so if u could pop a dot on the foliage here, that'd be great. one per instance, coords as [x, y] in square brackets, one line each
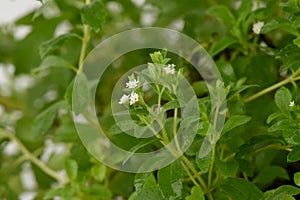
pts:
[258, 152]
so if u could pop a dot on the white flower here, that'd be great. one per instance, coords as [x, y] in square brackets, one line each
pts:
[134, 97]
[124, 99]
[11, 149]
[6, 79]
[292, 104]
[132, 84]
[169, 69]
[257, 27]
[23, 82]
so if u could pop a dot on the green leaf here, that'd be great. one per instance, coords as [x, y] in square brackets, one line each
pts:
[283, 98]
[274, 116]
[268, 174]
[221, 44]
[98, 172]
[122, 126]
[292, 136]
[235, 121]
[294, 155]
[53, 61]
[135, 148]
[196, 194]
[66, 133]
[81, 94]
[159, 57]
[57, 160]
[146, 187]
[144, 180]
[238, 188]
[297, 178]
[246, 167]
[223, 13]
[244, 11]
[289, 56]
[297, 41]
[227, 72]
[67, 192]
[69, 93]
[283, 125]
[71, 169]
[228, 168]
[49, 46]
[282, 192]
[204, 163]
[94, 15]
[98, 191]
[44, 120]
[237, 90]
[133, 196]
[200, 88]
[279, 23]
[287, 52]
[291, 6]
[171, 105]
[256, 143]
[151, 193]
[170, 180]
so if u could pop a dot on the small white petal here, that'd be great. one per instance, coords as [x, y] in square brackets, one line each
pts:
[28, 177]
[124, 99]
[134, 97]
[292, 104]
[257, 27]
[11, 149]
[23, 82]
[169, 69]
[132, 84]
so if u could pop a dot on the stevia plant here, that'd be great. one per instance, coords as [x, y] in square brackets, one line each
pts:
[255, 45]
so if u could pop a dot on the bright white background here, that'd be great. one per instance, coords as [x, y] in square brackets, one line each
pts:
[11, 10]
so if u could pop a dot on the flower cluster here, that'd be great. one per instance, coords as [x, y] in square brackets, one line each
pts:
[132, 84]
[170, 69]
[133, 97]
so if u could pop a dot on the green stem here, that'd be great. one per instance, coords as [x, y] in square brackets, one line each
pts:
[228, 157]
[191, 177]
[10, 104]
[175, 129]
[32, 158]
[210, 170]
[165, 142]
[274, 87]
[160, 92]
[273, 146]
[85, 40]
[211, 167]
[190, 165]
